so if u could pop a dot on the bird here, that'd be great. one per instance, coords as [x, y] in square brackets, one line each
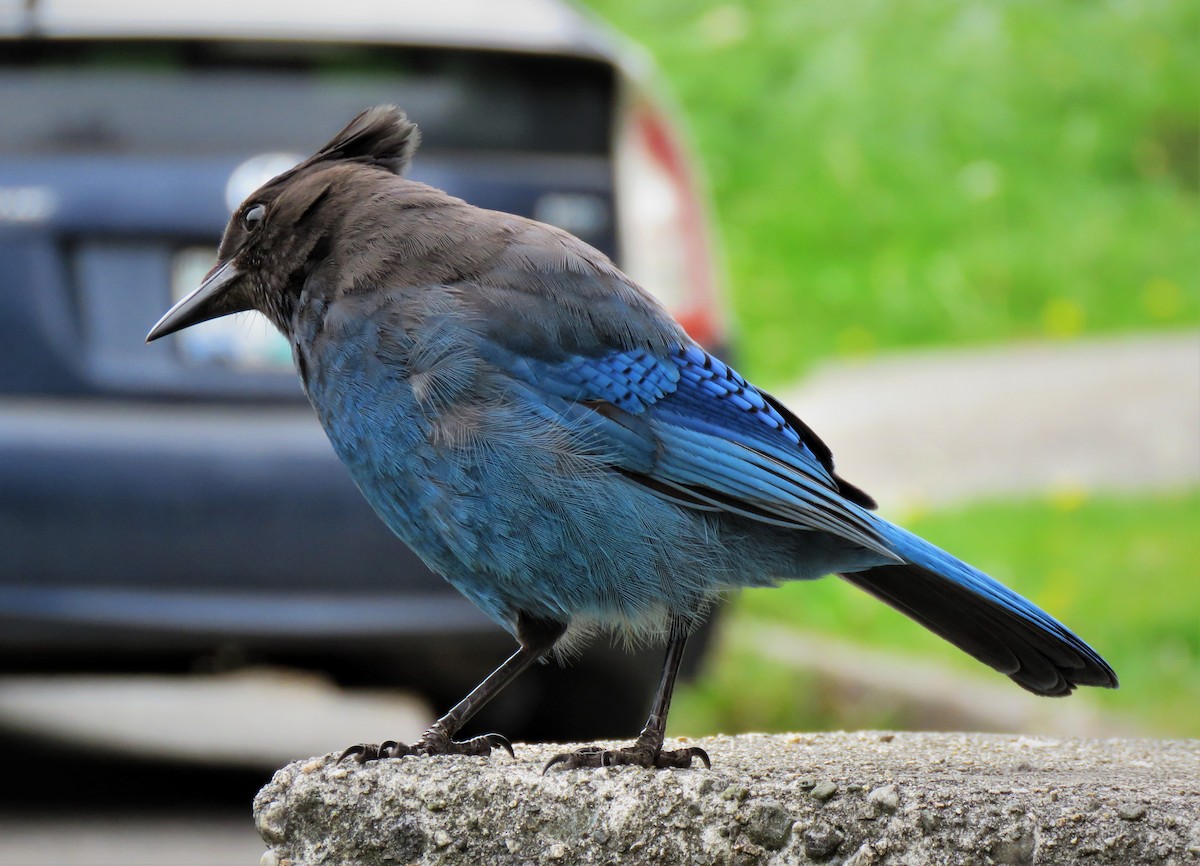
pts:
[547, 438]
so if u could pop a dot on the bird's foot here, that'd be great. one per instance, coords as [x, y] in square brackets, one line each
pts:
[640, 754]
[433, 742]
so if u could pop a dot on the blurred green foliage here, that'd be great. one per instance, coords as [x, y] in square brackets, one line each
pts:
[1122, 572]
[890, 174]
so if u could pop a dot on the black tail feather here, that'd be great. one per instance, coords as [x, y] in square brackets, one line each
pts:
[1042, 661]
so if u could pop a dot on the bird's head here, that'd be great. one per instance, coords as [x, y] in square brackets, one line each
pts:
[282, 230]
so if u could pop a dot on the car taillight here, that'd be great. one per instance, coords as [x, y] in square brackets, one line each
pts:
[664, 239]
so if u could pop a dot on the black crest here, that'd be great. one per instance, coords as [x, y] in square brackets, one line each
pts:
[382, 136]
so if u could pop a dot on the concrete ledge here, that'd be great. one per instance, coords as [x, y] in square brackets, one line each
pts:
[850, 799]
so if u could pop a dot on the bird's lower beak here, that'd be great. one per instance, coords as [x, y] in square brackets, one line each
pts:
[210, 301]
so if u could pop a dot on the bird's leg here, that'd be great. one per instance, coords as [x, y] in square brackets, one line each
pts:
[537, 637]
[647, 749]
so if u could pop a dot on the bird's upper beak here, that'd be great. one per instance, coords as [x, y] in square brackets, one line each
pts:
[210, 301]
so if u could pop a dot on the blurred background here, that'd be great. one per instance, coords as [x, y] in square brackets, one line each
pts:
[956, 197]
[961, 240]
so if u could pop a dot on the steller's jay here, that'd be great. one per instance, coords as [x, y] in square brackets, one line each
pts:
[546, 437]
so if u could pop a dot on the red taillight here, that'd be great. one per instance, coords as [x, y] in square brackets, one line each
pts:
[665, 242]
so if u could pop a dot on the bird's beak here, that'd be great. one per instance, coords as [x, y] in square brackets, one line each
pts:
[210, 301]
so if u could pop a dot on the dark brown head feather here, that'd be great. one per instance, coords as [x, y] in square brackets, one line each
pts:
[382, 136]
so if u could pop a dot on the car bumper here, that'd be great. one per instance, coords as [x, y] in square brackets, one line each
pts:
[147, 522]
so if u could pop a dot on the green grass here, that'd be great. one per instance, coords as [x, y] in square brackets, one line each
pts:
[889, 175]
[1123, 573]
[893, 175]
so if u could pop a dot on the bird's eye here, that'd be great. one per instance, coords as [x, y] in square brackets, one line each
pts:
[254, 216]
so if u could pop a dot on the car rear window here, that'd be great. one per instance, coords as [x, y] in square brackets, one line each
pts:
[182, 98]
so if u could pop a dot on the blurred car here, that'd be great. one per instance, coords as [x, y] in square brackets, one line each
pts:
[165, 504]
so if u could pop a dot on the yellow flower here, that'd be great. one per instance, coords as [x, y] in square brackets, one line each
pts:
[1063, 317]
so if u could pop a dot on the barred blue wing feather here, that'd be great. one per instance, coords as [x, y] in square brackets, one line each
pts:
[717, 443]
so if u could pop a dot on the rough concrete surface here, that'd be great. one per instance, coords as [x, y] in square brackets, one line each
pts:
[850, 799]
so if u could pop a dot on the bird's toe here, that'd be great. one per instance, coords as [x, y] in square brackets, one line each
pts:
[637, 755]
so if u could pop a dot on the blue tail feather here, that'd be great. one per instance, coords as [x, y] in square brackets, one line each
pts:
[982, 617]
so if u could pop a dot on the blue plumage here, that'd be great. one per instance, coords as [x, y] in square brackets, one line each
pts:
[545, 436]
[749, 408]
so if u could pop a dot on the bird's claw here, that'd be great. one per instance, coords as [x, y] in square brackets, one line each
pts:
[434, 742]
[487, 742]
[364, 752]
[637, 755]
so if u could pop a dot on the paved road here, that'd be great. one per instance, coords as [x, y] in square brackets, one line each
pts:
[155, 770]
[936, 428]
[221, 837]
[65, 806]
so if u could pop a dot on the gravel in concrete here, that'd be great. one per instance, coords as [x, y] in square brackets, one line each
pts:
[877, 798]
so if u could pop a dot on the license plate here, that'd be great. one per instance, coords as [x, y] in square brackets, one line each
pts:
[243, 341]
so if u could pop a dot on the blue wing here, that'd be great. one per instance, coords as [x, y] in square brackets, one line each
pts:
[691, 429]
